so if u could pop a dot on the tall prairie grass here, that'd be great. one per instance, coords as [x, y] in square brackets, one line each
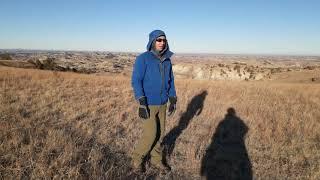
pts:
[69, 125]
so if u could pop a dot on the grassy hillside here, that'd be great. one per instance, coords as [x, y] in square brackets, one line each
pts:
[68, 125]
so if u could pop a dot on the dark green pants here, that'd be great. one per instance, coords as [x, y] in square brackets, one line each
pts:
[153, 132]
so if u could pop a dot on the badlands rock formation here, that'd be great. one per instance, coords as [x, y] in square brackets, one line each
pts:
[220, 71]
[191, 66]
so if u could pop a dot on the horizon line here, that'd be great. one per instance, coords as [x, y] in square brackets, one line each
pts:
[178, 53]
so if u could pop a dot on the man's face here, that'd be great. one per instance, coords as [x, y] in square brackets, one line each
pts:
[161, 42]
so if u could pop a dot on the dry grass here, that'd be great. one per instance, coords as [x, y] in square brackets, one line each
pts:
[68, 125]
[16, 63]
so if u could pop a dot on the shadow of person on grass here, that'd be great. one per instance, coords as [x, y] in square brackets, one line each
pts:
[194, 108]
[226, 157]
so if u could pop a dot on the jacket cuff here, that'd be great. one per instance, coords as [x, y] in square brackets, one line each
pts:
[142, 100]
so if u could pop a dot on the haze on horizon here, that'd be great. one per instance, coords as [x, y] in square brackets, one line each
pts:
[289, 27]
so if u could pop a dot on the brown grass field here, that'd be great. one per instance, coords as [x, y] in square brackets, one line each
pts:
[60, 125]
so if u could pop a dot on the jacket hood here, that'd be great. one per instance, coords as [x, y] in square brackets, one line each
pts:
[152, 37]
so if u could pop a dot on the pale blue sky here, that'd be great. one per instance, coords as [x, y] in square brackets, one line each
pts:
[216, 26]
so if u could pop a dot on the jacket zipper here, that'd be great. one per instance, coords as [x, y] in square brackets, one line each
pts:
[162, 77]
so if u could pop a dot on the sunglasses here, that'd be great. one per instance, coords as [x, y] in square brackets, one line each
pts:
[160, 40]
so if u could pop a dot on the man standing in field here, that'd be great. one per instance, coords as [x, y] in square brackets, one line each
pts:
[153, 85]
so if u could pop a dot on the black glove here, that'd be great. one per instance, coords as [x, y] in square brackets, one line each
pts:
[143, 108]
[172, 106]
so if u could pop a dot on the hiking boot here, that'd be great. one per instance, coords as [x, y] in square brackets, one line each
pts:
[162, 167]
[138, 168]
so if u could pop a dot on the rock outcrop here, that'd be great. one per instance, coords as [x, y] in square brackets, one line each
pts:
[221, 72]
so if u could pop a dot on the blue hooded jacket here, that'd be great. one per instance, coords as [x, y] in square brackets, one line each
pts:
[152, 77]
